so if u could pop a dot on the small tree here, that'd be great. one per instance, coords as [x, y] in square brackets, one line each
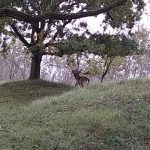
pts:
[115, 45]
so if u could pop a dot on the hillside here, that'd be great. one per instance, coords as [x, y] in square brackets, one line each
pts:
[37, 115]
[29, 90]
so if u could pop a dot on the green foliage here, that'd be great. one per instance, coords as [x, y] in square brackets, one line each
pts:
[121, 15]
[110, 45]
[125, 15]
[75, 44]
[107, 116]
[70, 61]
[116, 45]
[35, 48]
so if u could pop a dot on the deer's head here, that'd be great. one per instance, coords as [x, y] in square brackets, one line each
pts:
[76, 73]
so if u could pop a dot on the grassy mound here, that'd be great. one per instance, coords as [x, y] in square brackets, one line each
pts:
[26, 91]
[108, 117]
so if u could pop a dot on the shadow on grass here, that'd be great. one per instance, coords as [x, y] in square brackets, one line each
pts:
[29, 90]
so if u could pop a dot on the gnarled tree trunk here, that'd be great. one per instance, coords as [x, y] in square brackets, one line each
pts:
[35, 66]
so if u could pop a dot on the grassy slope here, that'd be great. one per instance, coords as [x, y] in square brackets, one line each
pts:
[25, 91]
[108, 117]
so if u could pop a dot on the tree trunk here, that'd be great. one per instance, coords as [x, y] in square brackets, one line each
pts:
[107, 64]
[35, 66]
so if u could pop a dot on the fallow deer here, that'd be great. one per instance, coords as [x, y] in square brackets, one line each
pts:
[80, 80]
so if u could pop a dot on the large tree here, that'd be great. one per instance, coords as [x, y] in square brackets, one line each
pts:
[41, 24]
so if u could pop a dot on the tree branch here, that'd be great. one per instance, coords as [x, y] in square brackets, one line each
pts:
[17, 15]
[20, 36]
[58, 16]
[108, 14]
[57, 33]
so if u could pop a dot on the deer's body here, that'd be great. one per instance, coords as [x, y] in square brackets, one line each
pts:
[80, 80]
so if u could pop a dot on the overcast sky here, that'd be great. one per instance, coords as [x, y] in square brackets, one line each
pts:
[146, 16]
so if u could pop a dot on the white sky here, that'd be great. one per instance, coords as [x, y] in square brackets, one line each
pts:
[146, 16]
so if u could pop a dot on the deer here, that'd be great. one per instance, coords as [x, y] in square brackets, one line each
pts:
[80, 80]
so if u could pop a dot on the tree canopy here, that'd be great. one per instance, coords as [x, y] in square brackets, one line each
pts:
[42, 24]
[98, 44]
[108, 47]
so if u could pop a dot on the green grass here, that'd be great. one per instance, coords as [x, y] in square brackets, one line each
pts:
[27, 91]
[112, 116]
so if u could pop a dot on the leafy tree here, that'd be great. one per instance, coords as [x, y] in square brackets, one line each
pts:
[41, 24]
[108, 47]
[114, 46]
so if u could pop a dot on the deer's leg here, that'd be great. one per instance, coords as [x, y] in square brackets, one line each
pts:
[87, 82]
[76, 84]
[81, 84]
